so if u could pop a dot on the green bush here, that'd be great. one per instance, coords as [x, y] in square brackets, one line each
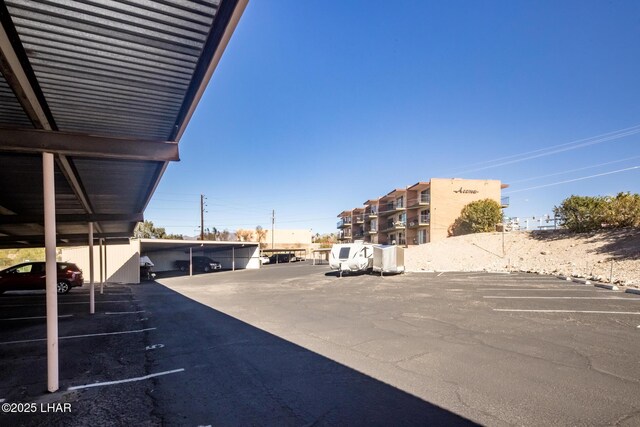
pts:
[589, 213]
[480, 216]
[623, 211]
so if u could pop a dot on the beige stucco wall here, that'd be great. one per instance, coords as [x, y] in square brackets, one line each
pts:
[122, 263]
[288, 238]
[447, 201]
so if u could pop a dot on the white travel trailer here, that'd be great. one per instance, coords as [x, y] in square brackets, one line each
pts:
[356, 256]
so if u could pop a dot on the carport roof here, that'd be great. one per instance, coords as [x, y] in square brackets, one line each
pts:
[108, 88]
[168, 244]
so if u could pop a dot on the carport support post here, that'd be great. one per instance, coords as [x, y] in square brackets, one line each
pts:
[49, 191]
[101, 278]
[92, 290]
[233, 258]
[106, 277]
[190, 261]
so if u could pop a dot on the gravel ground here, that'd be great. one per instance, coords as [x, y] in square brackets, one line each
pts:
[590, 255]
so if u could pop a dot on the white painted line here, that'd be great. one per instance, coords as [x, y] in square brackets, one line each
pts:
[154, 346]
[128, 380]
[617, 298]
[440, 274]
[568, 311]
[124, 312]
[37, 317]
[80, 336]
[78, 302]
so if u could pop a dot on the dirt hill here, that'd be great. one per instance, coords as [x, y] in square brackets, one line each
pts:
[589, 255]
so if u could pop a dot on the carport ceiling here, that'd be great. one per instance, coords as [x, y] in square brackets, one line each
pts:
[108, 87]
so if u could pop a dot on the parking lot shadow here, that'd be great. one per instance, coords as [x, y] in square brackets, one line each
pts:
[238, 374]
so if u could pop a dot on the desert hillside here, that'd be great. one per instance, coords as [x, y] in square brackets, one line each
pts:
[590, 255]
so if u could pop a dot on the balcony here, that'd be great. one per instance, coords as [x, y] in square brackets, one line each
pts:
[419, 221]
[344, 222]
[372, 231]
[423, 200]
[344, 236]
[373, 213]
[359, 219]
[504, 202]
[391, 208]
[393, 225]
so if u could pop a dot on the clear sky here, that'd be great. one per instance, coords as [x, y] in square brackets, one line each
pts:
[317, 106]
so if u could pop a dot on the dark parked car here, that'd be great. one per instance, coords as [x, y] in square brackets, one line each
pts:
[31, 275]
[200, 263]
[280, 258]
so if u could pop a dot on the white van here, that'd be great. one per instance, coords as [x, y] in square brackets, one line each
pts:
[356, 256]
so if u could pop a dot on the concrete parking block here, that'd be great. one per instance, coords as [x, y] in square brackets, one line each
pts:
[607, 286]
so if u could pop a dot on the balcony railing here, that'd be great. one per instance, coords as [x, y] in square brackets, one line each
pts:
[344, 222]
[359, 219]
[391, 207]
[394, 225]
[422, 200]
[372, 212]
[505, 202]
[422, 219]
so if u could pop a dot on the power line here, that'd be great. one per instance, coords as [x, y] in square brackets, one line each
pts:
[516, 158]
[573, 180]
[573, 170]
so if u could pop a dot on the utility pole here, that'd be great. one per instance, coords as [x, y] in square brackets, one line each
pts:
[273, 222]
[202, 217]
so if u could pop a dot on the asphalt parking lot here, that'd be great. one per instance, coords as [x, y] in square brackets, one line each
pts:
[295, 345]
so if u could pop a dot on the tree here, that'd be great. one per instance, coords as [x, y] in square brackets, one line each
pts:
[146, 230]
[244, 235]
[480, 216]
[261, 234]
[225, 235]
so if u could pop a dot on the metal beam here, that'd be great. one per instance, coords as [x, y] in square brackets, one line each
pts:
[31, 240]
[71, 218]
[224, 24]
[82, 145]
[17, 71]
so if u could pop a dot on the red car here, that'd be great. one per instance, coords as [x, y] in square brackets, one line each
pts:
[31, 275]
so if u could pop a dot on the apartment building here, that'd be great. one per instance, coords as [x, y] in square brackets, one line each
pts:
[417, 214]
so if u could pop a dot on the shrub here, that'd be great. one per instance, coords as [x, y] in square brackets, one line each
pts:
[623, 211]
[480, 216]
[581, 213]
[586, 213]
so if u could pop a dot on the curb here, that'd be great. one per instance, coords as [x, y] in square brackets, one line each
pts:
[605, 286]
[633, 291]
[582, 281]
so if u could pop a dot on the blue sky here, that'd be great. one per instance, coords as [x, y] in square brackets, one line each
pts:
[317, 106]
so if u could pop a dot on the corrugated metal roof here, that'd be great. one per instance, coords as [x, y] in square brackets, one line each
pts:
[132, 69]
[114, 67]
[11, 112]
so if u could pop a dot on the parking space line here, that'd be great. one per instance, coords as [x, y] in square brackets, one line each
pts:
[76, 302]
[128, 380]
[80, 336]
[124, 312]
[510, 297]
[567, 311]
[541, 289]
[37, 317]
